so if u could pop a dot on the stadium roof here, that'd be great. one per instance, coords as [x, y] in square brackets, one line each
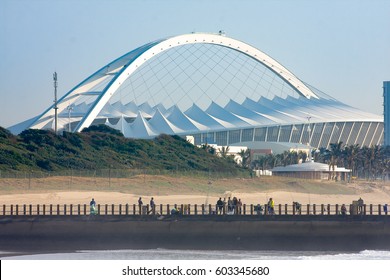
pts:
[92, 100]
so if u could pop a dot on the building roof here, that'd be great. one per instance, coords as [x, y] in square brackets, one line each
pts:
[309, 166]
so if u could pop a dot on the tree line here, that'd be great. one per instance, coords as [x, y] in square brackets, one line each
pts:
[368, 163]
[364, 162]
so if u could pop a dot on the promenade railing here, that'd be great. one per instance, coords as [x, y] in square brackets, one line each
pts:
[188, 209]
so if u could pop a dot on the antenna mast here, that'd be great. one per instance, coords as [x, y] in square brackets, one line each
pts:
[55, 102]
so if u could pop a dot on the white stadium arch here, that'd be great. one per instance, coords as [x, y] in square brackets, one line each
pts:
[278, 117]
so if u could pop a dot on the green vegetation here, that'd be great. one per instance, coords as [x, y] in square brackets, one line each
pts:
[100, 147]
[368, 163]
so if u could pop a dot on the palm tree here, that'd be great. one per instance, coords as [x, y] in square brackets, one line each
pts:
[335, 156]
[371, 156]
[285, 158]
[352, 154]
[246, 157]
[385, 162]
[224, 151]
[386, 168]
[208, 148]
[376, 161]
[262, 162]
[271, 161]
[321, 155]
[293, 156]
[302, 156]
[266, 162]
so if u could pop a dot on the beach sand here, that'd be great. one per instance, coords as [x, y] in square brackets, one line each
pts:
[105, 197]
[186, 190]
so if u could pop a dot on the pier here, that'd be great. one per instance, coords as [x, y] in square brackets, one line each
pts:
[65, 228]
[189, 210]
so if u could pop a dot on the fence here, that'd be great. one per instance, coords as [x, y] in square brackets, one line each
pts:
[118, 173]
[98, 179]
[187, 209]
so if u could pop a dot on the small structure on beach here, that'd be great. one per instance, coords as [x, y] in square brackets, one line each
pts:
[312, 170]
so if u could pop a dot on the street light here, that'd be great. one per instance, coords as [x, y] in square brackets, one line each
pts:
[55, 102]
[69, 108]
[310, 134]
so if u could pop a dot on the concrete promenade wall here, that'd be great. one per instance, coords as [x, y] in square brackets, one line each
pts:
[70, 233]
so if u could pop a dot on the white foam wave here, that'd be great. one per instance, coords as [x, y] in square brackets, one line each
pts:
[164, 254]
[363, 255]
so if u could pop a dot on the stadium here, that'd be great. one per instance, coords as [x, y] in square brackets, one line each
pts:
[214, 88]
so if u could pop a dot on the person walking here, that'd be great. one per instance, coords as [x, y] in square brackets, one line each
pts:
[239, 206]
[258, 209]
[92, 207]
[152, 205]
[235, 202]
[271, 206]
[219, 206]
[230, 206]
[360, 206]
[343, 210]
[140, 203]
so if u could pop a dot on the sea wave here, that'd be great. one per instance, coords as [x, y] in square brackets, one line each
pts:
[363, 255]
[164, 254]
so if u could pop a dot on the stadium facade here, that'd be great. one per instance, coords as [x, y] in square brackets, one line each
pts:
[304, 116]
[386, 111]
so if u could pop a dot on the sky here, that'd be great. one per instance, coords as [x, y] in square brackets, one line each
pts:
[341, 47]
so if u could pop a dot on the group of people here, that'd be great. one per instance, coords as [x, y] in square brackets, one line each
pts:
[152, 207]
[270, 207]
[359, 208]
[93, 211]
[152, 204]
[234, 206]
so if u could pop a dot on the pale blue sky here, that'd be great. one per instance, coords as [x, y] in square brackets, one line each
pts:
[342, 47]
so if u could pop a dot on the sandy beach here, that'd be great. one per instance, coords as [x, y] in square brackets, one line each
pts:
[104, 197]
[187, 190]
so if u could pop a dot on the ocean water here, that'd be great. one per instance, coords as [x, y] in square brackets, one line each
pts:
[164, 254]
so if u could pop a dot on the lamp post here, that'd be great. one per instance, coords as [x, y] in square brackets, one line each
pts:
[55, 102]
[70, 108]
[310, 134]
